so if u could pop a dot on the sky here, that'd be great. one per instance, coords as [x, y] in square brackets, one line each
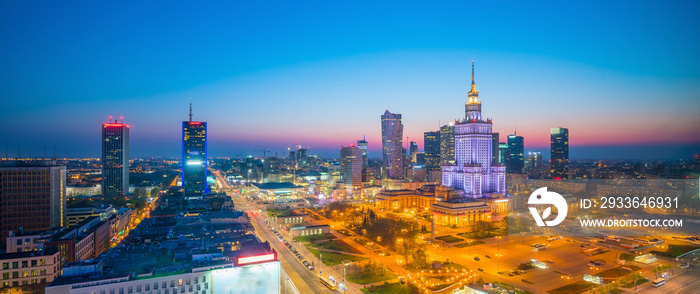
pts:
[624, 77]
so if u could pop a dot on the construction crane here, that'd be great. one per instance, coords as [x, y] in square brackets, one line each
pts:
[264, 151]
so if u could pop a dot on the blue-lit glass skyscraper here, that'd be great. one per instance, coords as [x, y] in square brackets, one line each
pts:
[115, 160]
[194, 156]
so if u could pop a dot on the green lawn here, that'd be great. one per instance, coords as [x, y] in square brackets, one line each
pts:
[467, 244]
[314, 238]
[332, 258]
[275, 211]
[369, 279]
[449, 239]
[473, 235]
[627, 257]
[618, 271]
[677, 250]
[394, 288]
[631, 285]
[337, 245]
[363, 242]
[572, 288]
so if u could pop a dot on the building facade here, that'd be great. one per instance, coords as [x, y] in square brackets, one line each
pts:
[115, 160]
[362, 144]
[431, 148]
[516, 147]
[194, 156]
[473, 173]
[28, 272]
[447, 144]
[351, 166]
[559, 153]
[533, 159]
[392, 145]
[32, 197]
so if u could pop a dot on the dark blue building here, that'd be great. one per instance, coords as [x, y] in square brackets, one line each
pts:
[194, 156]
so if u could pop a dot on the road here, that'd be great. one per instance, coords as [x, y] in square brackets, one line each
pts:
[303, 279]
[687, 282]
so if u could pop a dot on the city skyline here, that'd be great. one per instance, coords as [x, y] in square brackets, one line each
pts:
[535, 76]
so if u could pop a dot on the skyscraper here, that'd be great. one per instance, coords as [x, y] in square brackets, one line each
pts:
[194, 156]
[494, 144]
[516, 146]
[351, 166]
[32, 196]
[533, 159]
[447, 144]
[503, 153]
[302, 157]
[472, 173]
[560, 153]
[115, 160]
[362, 144]
[412, 149]
[431, 148]
[392, 145]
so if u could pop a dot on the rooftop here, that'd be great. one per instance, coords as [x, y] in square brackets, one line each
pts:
[276, 185]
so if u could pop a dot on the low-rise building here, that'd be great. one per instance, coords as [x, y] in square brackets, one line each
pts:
[309, 230]
[29, 271]
[251, 270]
[291, 217]
[402, 200]
[461, 212]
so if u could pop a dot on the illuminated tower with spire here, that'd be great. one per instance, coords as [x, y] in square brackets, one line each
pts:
[473, 173]
[194, 156]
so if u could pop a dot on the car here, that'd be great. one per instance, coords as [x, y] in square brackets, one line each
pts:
[311, 267]
[476, 258]
[487, 256]
[584, 246]
[480, 269]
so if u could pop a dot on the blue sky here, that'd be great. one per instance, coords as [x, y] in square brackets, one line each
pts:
[268, 74]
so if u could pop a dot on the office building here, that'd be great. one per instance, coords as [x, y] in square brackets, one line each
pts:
[447, 144]
[392, 145]
[494, 145]
[302, 157]
[351, 166]
[362, 144]
[412, 149]
[115, 160]
[516, 146]
[533, 160]
[272, 169]
[431, 148]
[29, 272]
[207, 271]
[472, 175]
[559, 153]
[503, 153]
[194, 156]
[32, 196]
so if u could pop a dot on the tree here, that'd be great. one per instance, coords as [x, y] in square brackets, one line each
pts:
[419, 258]
[154, 192]
[481, 226]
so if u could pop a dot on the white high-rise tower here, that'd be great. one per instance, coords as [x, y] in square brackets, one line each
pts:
[473, 173]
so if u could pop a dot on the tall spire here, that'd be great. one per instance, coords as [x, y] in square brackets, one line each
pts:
[191, 108]
[473, 85]
[472, 71]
